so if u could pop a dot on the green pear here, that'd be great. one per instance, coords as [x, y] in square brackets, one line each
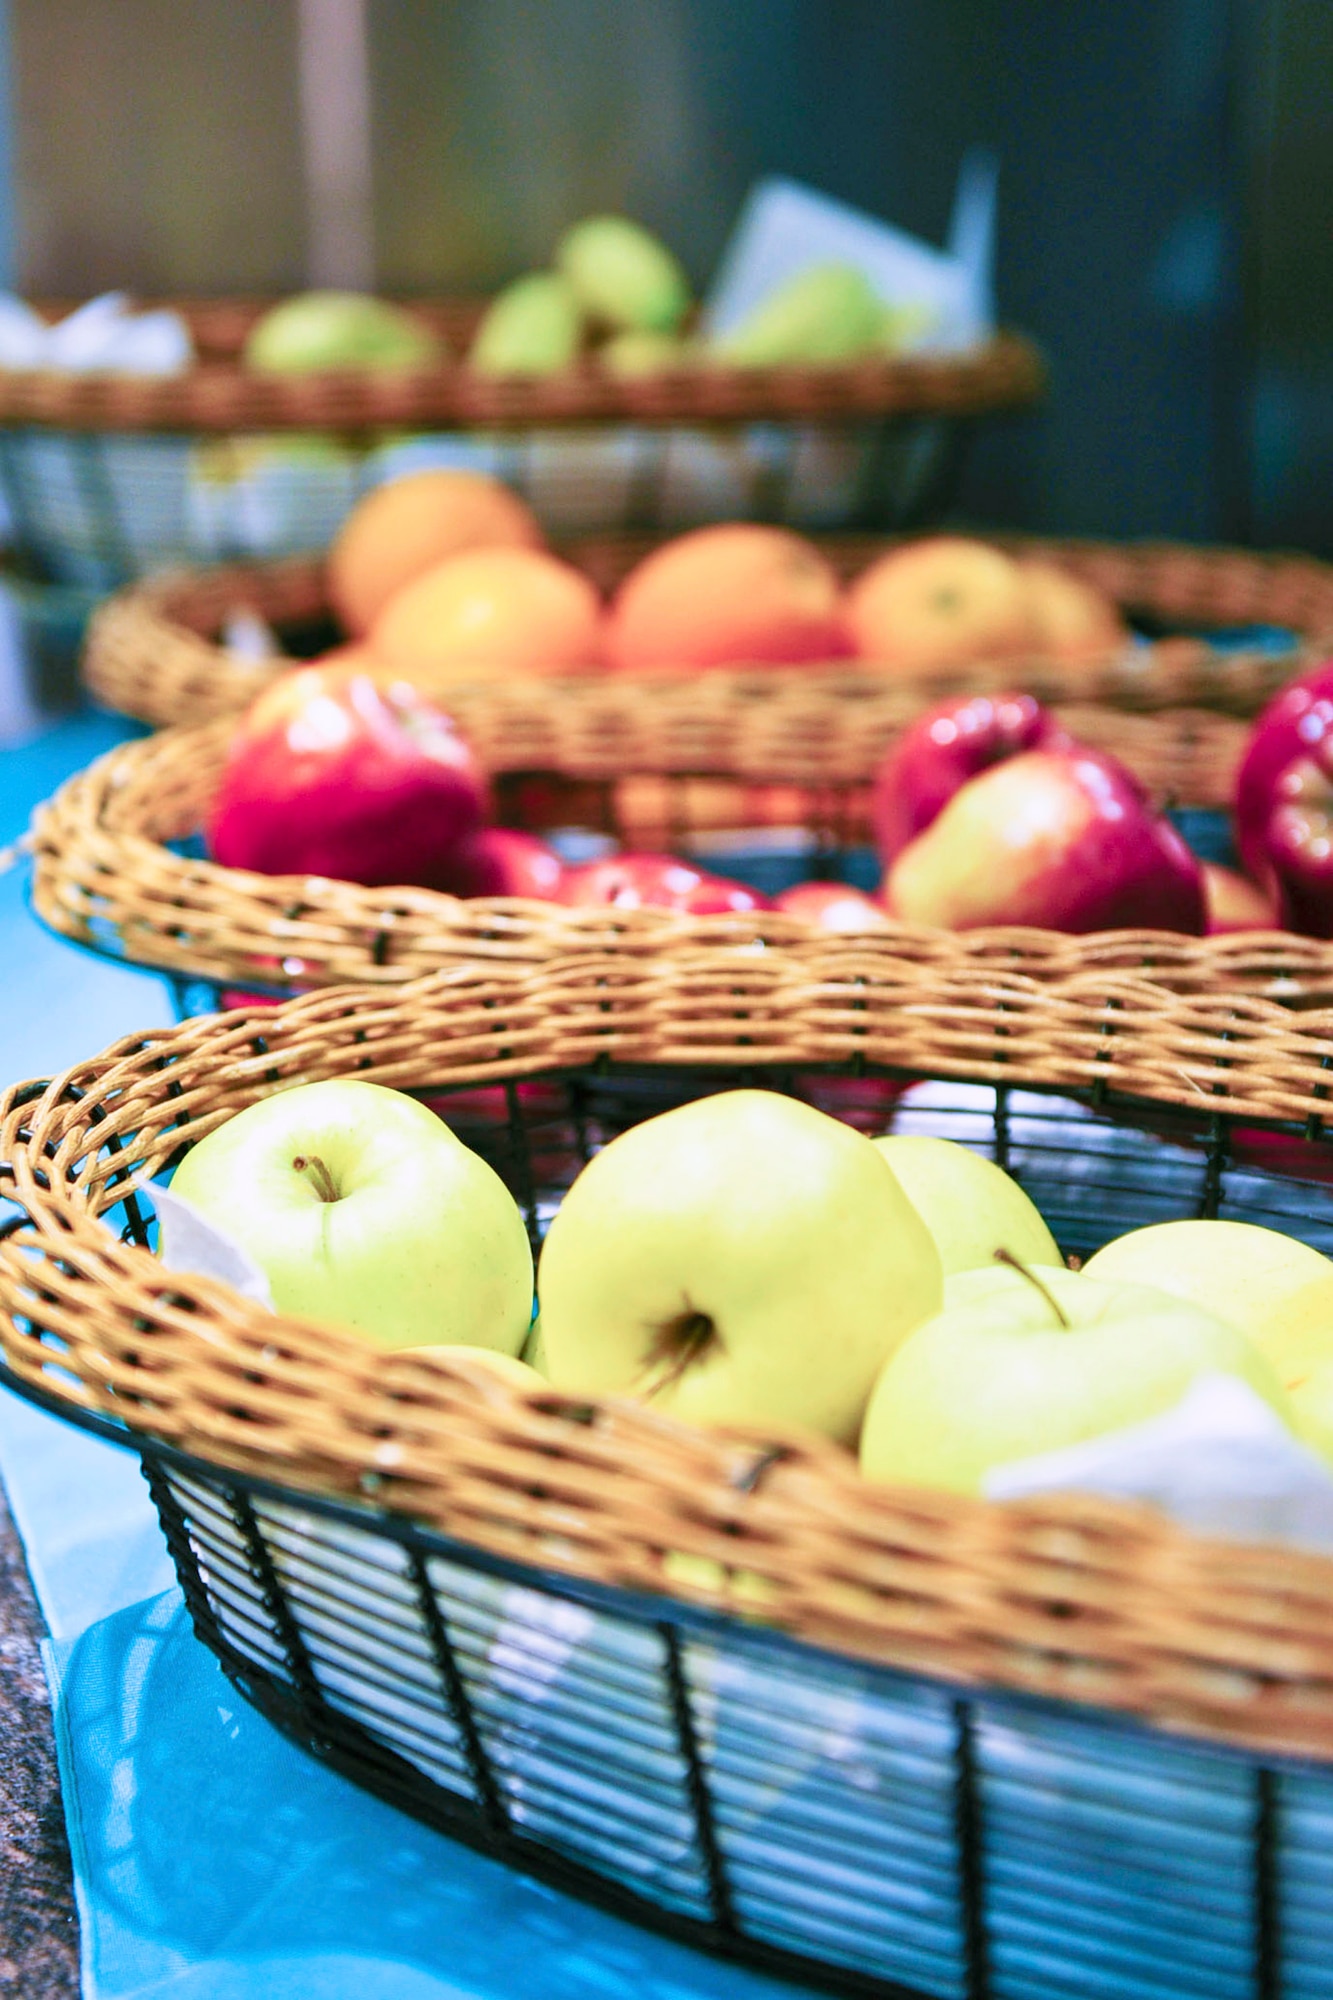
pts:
[743, 1259]
[622, 276]
[827, 312]
[1034, 1363]
[339, 330]
[971, 1207]
[532, 327]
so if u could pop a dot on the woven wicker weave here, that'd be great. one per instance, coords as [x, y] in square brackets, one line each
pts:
[151, 654]
[1069, 1596]
[218, 394]
[104, 876]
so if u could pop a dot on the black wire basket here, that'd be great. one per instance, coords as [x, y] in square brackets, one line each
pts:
[867, 1830]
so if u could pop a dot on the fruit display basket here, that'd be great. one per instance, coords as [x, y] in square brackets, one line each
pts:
[154, 650]
[110, 476]
[894, 1742]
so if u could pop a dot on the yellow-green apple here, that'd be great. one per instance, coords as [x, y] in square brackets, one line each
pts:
[318, 330]
[502, 861]
[833, 906]
[1272, 1286]
[656, 882]
[937, 754]
[742, 1259]
[971, 1207]
[1311, 1397]
[490, 1362]
[1064, 839]
[532, 327]
[333, 772]
[1023, 1368]
[1234, 903]
[364, 1211]
[946, 601]
[534, 1350]
[1294, 725]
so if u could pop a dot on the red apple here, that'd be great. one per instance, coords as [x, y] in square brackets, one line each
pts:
[333, 773]
[1298, 840]
[1234, 903]
[833, 906]
[501, 861]
[946, 746]
[1294, 723]
[1062, 839]
[657, 882]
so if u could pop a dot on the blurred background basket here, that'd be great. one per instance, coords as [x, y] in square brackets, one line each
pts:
[155, 650]
[108, 477]
[922, 1768]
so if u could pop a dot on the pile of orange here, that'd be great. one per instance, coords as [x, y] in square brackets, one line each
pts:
[444, 575]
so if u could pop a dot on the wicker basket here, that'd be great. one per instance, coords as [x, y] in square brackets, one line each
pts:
[107, 476]
[152, 651]
[922, 1769]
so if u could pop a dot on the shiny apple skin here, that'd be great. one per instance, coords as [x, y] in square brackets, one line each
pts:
[502, 861]
[657, 882]
[833, 906]
[937, 754]
[1298, 841]
[1293, 725]
[1063, 840]
[335, 774]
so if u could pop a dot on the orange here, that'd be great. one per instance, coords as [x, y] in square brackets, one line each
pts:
[1074, 620]
[493, 611]
[733, 595]
[405, 527]
[942, 602]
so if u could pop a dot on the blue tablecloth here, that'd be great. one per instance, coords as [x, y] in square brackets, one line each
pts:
[212, 1858]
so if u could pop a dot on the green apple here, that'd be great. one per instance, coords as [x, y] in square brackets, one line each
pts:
[534, 1350]
[532, 327]
[339, 330]
[743, 1259]
[503, 1367]
[644, 353]
[971, 1207]
[364, 1211]
[1028, 1368]
[622, 275]
[1273, 1287]
[1311, 1397]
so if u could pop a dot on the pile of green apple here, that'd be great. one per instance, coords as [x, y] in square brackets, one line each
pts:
[612, 289]
[748, 1260]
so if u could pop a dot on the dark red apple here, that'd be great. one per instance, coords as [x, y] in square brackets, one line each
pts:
[501, 861]
[833, 906]
[937, 754]
[1234, 903]
[657, 882]
[1298, 841]
[1061, 839]
[1293, 725]
[333, 773]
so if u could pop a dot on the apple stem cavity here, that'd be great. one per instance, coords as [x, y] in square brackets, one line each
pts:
[678, 1343]
[318, 1175]
[1025, 1271]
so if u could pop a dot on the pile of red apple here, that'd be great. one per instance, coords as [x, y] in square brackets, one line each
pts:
[986, 812]
[749, 1260]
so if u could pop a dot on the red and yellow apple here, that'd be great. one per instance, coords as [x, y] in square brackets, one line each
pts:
[656, 882]
[833, 906]
[943, 602]
[937, 754]
[333, 773]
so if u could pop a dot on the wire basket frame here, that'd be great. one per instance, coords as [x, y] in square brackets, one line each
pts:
[900, 1774]
[107, 477]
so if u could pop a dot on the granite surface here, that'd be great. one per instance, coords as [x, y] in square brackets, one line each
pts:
[39, 1934]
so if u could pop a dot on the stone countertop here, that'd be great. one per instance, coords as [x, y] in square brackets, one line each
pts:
[39, 1930]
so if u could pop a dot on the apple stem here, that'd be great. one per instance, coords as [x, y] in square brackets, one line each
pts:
[321, 1178]
[677, 1343]
[1024, 1271]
